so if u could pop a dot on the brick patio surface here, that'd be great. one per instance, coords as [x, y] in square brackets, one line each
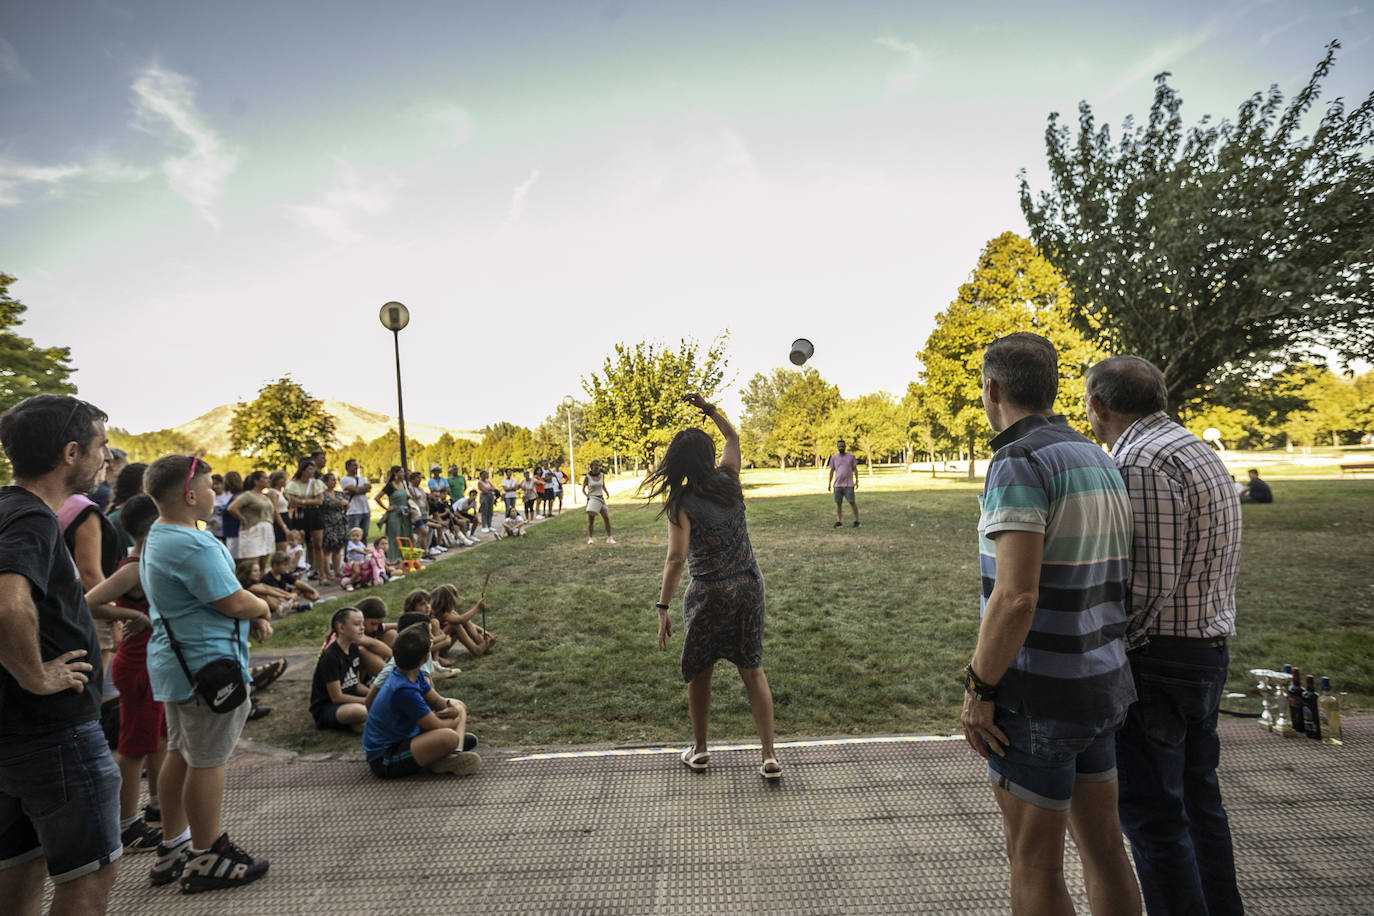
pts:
[903, 825]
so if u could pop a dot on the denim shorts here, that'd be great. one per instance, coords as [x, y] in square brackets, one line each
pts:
[1045, 757]
[59, 799]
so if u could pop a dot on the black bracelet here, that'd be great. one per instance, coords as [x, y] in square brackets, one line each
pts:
[660, 605]
[976, 687]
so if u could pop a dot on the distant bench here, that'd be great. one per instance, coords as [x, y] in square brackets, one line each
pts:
[1357, 468]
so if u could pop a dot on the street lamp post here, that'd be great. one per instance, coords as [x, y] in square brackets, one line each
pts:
[572, 462]
[396, 316]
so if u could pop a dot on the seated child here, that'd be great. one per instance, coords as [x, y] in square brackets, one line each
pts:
[426, 667]
[295, 551]
[418, 602]
[465, 515]
[336, 697]
[357, 568]
[375, 644]
[445, 601]
[280, 575]
[513, 525]
[404, 733]
[383, 571]
[142, 729]
[281, 601]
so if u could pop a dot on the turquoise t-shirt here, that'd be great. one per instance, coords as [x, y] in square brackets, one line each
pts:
[183, 571]
[426, 668]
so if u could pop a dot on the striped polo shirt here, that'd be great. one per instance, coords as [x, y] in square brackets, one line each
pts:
[1046, 478]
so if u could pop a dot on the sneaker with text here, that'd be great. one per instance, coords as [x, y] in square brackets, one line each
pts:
[222, 866]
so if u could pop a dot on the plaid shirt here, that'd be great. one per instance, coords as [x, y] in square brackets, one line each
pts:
[1186, 548]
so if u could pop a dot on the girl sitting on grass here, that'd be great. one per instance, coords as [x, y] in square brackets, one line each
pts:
[445, 602]
[418, 602]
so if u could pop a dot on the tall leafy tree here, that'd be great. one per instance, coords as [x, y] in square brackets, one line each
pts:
[1013, 288]
[1220, 249]
[26, 369]
[760, 398]
[636, 399]
[281, 424]
[800, 428]
[871, 424]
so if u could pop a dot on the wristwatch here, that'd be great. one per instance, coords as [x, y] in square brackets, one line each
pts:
[978, 689]
[661, 606]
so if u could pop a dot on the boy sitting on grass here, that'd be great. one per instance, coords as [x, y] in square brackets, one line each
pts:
[336, 697]
[378, 635]
[404, 733]
[250, 577]
[280, 575]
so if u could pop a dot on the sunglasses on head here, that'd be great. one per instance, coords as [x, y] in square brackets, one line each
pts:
[186, 487]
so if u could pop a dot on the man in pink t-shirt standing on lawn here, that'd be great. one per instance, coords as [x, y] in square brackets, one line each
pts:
[842, 480]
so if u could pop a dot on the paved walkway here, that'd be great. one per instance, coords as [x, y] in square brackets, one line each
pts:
[895, 825]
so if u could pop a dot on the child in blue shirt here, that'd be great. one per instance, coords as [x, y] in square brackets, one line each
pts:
[188, 577]
[404, 733]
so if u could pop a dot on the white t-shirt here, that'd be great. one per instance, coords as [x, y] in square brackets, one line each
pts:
[508, 487]
[357, 505]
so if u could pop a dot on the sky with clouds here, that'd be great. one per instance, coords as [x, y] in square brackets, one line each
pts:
[199, 198]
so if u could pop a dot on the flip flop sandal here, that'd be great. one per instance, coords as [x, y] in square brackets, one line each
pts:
[775, 772]
[271, 673]
[694, 761]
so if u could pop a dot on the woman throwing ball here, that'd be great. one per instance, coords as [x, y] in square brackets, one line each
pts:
[722, 609]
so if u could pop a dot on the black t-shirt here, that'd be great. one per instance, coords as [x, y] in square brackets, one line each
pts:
[285, 583]
[334, 665]
[31, 545]
[111, 551]
[1260, 492]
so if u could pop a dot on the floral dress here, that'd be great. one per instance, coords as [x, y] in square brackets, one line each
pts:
[722, 609]
[333, 514]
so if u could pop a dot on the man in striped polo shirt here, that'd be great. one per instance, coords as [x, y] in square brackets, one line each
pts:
[1181, 610]
[1048, 684]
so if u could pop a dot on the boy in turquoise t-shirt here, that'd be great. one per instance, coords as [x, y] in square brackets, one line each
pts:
[189, 579]
[404, 733]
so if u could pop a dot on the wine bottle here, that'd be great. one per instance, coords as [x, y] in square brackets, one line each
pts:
[1311, 719]
[1329, 707]
[1295, 707]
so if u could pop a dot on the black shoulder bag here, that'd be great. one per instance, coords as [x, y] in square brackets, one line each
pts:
[220, 683]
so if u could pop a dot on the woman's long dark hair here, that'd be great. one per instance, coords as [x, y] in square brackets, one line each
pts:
[128, 484]
[689, 466]
[301, 465]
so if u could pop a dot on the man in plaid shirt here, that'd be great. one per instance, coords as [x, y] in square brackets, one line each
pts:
[1181, 609]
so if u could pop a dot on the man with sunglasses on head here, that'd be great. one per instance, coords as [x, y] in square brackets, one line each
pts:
[59, 787]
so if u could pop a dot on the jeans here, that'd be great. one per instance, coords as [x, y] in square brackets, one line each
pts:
[360, 520]
[488, 503]
[1166, 756]
[59, 798]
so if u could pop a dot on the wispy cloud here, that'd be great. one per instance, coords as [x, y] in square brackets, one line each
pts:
[10, 66]
[452, 122]
[517, 200]
[100, 168]
[166, 107]
[14, 175]
[349, 195]
[1169, 54]
[908, 73]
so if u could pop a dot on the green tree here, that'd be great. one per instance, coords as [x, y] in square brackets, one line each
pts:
[150, 446]
[26, 369]
[636, 400]
[281, 424]
[1221, 250]
[1013, 288]
[760, 399]
[871, 423]
[800, 428]
[923, 429]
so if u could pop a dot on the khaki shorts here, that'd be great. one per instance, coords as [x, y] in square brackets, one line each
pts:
[204, 738]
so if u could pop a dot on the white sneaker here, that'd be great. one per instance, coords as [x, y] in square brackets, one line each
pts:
[591, 540]
[609, 539]
[538, 516]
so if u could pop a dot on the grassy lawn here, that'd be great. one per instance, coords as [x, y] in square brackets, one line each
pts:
[867, 628]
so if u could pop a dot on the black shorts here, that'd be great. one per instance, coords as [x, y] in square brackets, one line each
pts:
[278, 532]
[395, 762]
[307, 519]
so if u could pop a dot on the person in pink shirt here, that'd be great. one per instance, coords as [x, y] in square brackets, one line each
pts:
[843, 480]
